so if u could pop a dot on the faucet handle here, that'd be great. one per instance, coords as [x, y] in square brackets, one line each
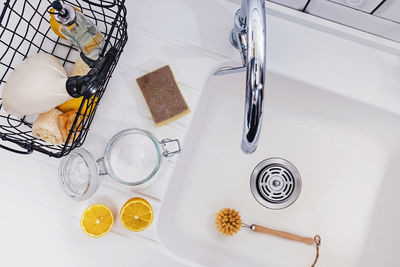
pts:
[229, 70]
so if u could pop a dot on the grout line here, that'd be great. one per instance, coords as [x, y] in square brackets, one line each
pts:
[114, 231]
[145, 71]
[357, 29]
[198, 49]
[151, 238]
[376, 8]
[305, 7]
[140, 113]
[37, 157]
[353, 8]
[117, 104]
[193, 88]
[365, 12]
[153, 242]
[111, 187]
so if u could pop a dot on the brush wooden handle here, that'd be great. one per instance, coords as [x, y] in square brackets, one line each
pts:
[282, 234]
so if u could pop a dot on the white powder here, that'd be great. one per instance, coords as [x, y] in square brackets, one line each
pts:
[133, 157]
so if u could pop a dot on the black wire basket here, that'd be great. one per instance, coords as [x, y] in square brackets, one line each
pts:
[25, 30]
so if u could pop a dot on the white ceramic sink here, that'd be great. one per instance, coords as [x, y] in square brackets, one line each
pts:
[347, 154]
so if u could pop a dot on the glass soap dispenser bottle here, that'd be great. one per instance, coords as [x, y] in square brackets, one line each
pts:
[78, 29]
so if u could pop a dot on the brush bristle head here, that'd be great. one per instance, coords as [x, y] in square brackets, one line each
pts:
[228, 221]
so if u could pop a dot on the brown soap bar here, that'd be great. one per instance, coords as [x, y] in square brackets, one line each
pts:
[163, 96]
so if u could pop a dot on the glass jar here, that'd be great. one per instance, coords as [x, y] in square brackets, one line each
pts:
[132, 157]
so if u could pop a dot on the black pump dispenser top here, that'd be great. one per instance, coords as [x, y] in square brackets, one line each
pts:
[61, 10]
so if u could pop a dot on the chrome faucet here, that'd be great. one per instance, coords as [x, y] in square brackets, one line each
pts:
[249, 37]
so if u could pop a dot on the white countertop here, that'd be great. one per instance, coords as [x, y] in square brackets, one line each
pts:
[40, 224]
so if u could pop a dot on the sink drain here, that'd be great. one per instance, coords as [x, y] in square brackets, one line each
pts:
[275, 183]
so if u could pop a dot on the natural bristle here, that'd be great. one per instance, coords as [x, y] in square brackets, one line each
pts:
[228, 221]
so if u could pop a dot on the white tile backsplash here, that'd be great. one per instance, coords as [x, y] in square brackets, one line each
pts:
[362, 5]
[355, 18]
[390, 10]
[192, 22]
[296, 4]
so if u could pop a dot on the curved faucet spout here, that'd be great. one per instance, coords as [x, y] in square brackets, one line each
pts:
[253, 109]
[249, 36]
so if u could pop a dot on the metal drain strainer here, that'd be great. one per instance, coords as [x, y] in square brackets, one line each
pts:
[275, 183]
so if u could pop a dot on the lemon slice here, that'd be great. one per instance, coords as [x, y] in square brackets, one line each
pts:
[136, 214]
[97, 220]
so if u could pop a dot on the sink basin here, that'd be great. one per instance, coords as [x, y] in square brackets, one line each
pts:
[346, 152]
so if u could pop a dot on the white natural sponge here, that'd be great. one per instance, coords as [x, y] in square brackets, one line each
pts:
[36, 85]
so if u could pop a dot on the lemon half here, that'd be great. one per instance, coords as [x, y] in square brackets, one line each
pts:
[97, 220]
[136, 214]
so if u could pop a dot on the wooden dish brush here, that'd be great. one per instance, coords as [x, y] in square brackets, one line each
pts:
[228, 222]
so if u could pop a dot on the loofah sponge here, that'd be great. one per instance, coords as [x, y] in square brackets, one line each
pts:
[46, 127]
[65, 122]
[228, 221]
